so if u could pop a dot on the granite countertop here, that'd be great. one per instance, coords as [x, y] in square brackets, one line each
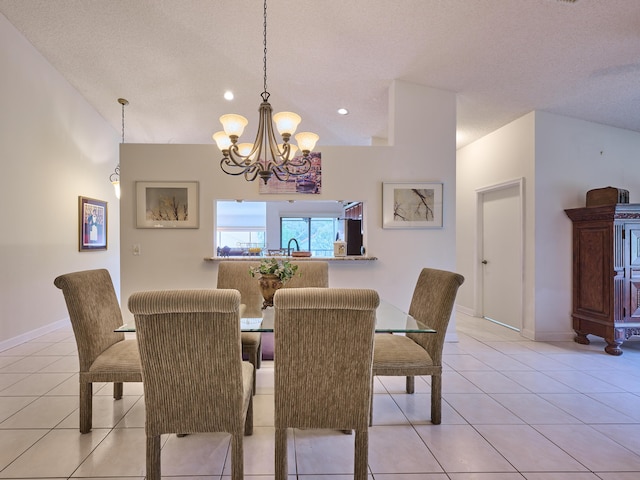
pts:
[253, 258]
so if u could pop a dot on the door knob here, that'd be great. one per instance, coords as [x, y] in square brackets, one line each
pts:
[484, 262]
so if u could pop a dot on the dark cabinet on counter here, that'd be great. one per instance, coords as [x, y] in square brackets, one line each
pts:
[606, 273]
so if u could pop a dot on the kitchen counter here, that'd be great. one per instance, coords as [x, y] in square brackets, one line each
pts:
[255, 258]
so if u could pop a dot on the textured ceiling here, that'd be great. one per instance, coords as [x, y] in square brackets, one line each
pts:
[173, 60]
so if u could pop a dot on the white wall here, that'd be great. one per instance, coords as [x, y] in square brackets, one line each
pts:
[502, 156]
[424, 149]
[53, 148]
[560, 159]
[572, 157]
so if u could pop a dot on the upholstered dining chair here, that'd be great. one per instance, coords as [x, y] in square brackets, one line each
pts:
[421, 353]
[104, 355]
[236, 275]
[311, 273]
[193, 375]
[322, 370]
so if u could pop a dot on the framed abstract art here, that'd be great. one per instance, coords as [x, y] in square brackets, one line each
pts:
[412, 205]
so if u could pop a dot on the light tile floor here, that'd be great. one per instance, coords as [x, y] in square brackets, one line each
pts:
[513, 409]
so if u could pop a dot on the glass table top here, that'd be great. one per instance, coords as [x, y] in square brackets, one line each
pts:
[389, 319]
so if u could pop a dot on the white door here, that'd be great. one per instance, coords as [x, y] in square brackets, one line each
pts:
[501, 255]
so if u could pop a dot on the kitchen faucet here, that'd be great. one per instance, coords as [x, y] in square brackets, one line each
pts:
[289, 246]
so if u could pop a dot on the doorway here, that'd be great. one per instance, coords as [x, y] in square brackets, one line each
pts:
[500, 253]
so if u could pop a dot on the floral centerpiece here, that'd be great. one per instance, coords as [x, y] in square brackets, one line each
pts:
[283, 269]
[274, 273]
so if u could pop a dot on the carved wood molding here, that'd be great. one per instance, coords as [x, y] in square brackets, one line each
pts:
[621, 211]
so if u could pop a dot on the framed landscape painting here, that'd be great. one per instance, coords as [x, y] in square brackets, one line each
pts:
[167, 204]
[412, 205]
[92, 224]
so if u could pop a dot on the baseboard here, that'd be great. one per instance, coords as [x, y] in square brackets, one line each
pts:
[451, 337]
[27, 336]
[554, 336]
[466, 310]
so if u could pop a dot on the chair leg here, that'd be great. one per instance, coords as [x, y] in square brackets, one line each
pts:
[117, 390]
[255, 372]
[248, 421]
[237, 458]
[371, 402]
[411, 384]
[259, 356]
[361, 455]
[436, 399]
[153, 458]
[252, 357]
[86, 399]
[281, 454]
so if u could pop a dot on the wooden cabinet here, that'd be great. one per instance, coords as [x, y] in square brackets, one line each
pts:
[606, 273]
[353, 211]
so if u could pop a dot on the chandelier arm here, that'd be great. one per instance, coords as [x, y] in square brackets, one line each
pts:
[304, 162]
[258, 144]
[277, 158]
[286, 152]
[296, 169]
[226, 165]
[251, 174]
[233, 158]
[280, 176]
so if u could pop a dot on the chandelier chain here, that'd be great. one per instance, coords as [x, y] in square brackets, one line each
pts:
[265, 94]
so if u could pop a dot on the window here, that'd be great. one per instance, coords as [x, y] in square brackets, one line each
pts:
[241, 226]
[314, 234]
[236, 237]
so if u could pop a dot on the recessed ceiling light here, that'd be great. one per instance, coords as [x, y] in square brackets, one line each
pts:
[228, 95]
[343, 111]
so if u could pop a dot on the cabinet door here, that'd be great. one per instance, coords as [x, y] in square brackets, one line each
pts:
[632, 303]
[594, 270]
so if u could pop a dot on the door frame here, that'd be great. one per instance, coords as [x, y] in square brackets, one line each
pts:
[479, 247]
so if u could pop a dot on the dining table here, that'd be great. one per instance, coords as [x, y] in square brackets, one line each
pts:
[389, 319]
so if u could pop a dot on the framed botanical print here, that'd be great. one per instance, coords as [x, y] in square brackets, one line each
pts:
[92, 224]
[412, 205]
[167, 204]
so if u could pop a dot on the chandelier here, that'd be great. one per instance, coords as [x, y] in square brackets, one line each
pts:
[264, 157]
[114, 178]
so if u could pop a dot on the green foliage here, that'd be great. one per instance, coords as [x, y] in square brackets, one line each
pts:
[282, 268]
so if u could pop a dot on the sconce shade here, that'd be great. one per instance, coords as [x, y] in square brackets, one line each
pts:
[116, 186]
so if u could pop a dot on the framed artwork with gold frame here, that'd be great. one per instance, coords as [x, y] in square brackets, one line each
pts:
[92, 224]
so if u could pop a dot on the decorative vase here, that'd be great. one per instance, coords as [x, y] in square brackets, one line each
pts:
[268, 283]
